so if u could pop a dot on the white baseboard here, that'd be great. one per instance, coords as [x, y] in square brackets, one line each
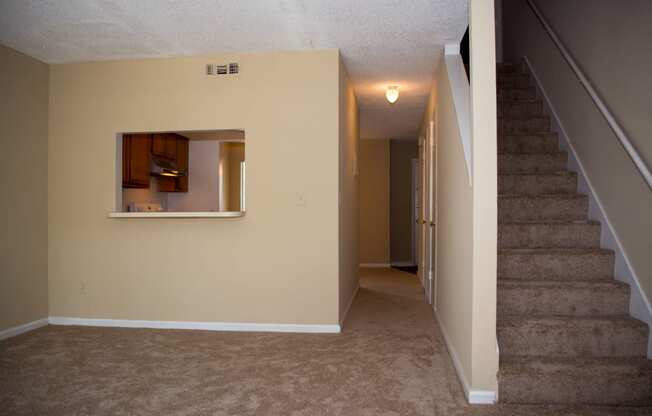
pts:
[375, 265]
[472, 396]
[639, 304]
[348, 306]
[205, 326]
[403, 264]
[20, 329]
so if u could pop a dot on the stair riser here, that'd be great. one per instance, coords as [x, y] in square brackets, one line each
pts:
[548, 235]
[516, 94]
[514, 81]
[542, 209]
[528, 144]
[532, 163]
[525, 125]
[573, 339]
[520, 109]
[537, 184]
[556, 266]
[508, 68]
[586, 301]
[568, 388]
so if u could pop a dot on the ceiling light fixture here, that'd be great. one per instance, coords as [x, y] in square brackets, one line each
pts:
[392, 94]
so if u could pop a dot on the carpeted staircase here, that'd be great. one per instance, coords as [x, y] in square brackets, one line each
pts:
[564, 332]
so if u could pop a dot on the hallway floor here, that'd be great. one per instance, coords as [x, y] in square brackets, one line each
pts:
[390, 360]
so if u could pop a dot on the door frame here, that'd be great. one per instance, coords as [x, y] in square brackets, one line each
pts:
[414, 207]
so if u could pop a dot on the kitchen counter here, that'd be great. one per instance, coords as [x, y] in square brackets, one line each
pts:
[206, 214]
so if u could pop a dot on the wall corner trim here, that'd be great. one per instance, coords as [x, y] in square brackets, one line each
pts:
[21, 329]
[472, 396]
[203, 326]
[348, 306]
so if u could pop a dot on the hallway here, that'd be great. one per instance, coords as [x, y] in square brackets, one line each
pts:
[390, 360]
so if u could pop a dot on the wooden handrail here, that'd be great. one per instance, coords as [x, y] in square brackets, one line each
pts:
[611, 120]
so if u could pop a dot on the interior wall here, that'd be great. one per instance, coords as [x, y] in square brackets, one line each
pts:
[23, 206]
[454, 277]
[610, 42]
[203, 176]
[374, 201]
[349, 240]
[466, 214]
[257, 268]
[401, 153]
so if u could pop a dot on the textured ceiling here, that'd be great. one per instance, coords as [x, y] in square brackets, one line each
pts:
[383, 42]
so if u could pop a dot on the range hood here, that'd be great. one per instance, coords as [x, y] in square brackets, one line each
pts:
[162, 167]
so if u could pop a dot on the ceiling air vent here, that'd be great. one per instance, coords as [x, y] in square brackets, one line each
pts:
[232, 68]
[222, 70]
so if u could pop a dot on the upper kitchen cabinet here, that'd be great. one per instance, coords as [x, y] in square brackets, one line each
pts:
[135, 160]
[164, 145]
[179, 163]
[182, 164]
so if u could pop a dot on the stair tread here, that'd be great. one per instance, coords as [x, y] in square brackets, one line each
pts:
[564, 284]
[543, 196]
[540, 133]
[524, 118]
[519, 364]
[556, 152]
[551, 222]
[516, 101]
[621, 320]
[533, 173]
[552, 250]
[533, 134]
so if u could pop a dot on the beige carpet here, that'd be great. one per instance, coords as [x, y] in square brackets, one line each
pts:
[390, 360]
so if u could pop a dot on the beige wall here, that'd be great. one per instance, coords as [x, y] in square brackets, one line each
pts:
[465, 294]
[23, 235]
[349, 139]
[610, 42]
[374, 201]
[258, 268]
[454, 277]
[400, 198]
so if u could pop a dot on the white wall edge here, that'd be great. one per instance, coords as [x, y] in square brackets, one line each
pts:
[472, 396]
[452, 49]
[461, 92]
[348, 306]
[639, 304]
[375, 265]
[204, 326]
[21, 329]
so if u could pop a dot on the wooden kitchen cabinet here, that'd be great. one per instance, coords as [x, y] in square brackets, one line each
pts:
[182, 164]
[135, 160]
[179, 184]
[164, 145]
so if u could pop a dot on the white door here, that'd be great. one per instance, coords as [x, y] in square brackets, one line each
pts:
[432, 214]
[415, 212]
[424, 215]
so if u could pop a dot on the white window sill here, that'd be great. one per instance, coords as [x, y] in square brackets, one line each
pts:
[229, 214]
